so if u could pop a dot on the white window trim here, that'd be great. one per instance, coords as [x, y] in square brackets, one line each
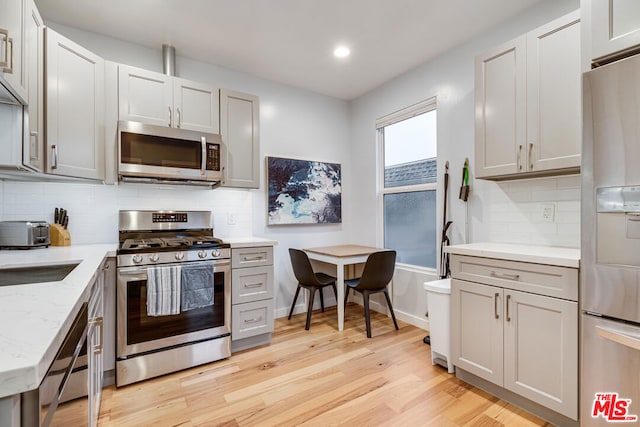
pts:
[400, 115]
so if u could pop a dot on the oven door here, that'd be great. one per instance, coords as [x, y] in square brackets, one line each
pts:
[139, 333]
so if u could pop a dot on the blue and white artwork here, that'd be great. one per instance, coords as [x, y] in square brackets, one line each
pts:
[303, 192]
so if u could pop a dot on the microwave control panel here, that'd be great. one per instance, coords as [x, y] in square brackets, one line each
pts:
[213, 157]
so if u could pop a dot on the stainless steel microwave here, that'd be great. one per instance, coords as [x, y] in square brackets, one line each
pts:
[151, 153]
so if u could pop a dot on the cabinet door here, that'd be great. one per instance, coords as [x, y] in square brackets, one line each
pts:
[541, 350]
[95, 347]
[615, 26]
[34, 54]
[554, 94]
[476, 329]
[145, 96]
[75, 109]
[196, 106]
[500, 127]
[12, 68]
[240, 130]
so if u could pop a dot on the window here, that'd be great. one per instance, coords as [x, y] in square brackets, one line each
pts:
[408, 171]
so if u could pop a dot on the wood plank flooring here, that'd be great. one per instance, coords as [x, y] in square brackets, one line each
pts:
[318, 377]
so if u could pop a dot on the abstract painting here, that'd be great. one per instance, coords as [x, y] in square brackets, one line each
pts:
[303, 192]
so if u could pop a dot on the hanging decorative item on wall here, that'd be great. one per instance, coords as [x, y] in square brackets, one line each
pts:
[303, 192]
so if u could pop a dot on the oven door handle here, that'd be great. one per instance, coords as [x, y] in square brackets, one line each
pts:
[133, 272]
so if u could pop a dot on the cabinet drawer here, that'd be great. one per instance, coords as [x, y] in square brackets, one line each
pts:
[251, 319]
[251, 257]
[251, 284]
[559, 282]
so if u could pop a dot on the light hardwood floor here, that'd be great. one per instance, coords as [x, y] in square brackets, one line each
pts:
[318, 377]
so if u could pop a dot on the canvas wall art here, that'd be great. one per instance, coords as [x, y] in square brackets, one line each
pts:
[303, 192]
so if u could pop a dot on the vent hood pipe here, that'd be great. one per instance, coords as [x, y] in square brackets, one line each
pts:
[168, 60]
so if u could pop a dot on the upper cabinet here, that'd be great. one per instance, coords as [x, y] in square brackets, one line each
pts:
[615, 27]
[240, 131]
[12, 68]
[528, 104]
[34, 61]
[74, 109]
[155, 98]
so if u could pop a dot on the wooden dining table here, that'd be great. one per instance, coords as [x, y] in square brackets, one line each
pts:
[341, 256]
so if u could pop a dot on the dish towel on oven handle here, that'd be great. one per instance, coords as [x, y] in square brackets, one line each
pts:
[163, 290]
[197, 286]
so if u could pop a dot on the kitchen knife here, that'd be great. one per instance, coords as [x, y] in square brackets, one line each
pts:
[62, 214]
[65, 222]
[56, 216]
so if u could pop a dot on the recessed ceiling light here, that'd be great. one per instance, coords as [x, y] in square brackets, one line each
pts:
[341, 52]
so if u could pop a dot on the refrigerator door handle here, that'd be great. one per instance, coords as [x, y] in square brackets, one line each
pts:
[618, 337]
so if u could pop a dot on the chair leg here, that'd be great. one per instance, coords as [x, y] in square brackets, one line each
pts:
[367, 313]
[335, 291]
[346, 296]
[321, 292]
[312, 293]
[393, 316]
[295, 298]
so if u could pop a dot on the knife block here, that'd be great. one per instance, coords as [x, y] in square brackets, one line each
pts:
[59, 236]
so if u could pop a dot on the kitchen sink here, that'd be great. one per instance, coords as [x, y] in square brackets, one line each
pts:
[35, 274]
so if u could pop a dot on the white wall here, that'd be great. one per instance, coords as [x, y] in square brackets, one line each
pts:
[491, 205]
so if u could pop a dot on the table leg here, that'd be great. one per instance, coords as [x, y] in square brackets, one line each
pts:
[340, 302]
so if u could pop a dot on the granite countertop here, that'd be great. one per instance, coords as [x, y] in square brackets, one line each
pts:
[549, 255]
[35, 318]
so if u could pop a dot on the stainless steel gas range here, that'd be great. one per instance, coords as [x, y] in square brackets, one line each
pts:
[173, 294]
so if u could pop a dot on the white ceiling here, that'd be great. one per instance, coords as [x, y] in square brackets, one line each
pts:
[291, 41]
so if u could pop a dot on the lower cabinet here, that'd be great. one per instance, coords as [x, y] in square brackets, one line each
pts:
[525, 342]
[251, 296]
[95, 341]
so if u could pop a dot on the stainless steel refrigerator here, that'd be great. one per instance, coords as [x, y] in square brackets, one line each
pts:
[610, 260]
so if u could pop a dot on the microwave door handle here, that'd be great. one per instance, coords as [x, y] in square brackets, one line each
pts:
[203, 164]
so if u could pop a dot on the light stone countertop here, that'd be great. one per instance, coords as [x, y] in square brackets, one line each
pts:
[549, 255]
[248, 242]
[35, 318]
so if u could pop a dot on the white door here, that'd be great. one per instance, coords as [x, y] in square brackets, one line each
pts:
[500, 127]
[75, 109]
[615, 26]
[554, 95]
[145, 96]
[541, 350]
[240, 131]
[476, 329]
[196, 106]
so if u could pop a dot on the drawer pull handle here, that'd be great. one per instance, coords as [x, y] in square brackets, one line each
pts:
[505, 276]
[253, 285]
[253, 258]
[253, 320]
[495, 305]
[508, 316]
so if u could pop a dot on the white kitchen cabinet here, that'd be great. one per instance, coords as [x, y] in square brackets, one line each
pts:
[251, 296]
[615, 27]
[12, 34]
[240, 131]
[109, 332]
[34, 62]
[95, 346]
[74, 109]
[154, 98]
[528, 103]
[510, 327]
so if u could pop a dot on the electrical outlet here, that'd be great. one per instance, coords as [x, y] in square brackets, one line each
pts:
[231, 218]
[548, 212]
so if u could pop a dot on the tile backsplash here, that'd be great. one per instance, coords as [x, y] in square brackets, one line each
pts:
[93, 208]
[542, 211]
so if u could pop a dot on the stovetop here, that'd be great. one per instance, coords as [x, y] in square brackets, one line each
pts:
[161, 244]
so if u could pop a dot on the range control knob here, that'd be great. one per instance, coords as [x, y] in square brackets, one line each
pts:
[154, 258]
[179, 256]
[202, 254]
[137, 259]
[215, 253]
